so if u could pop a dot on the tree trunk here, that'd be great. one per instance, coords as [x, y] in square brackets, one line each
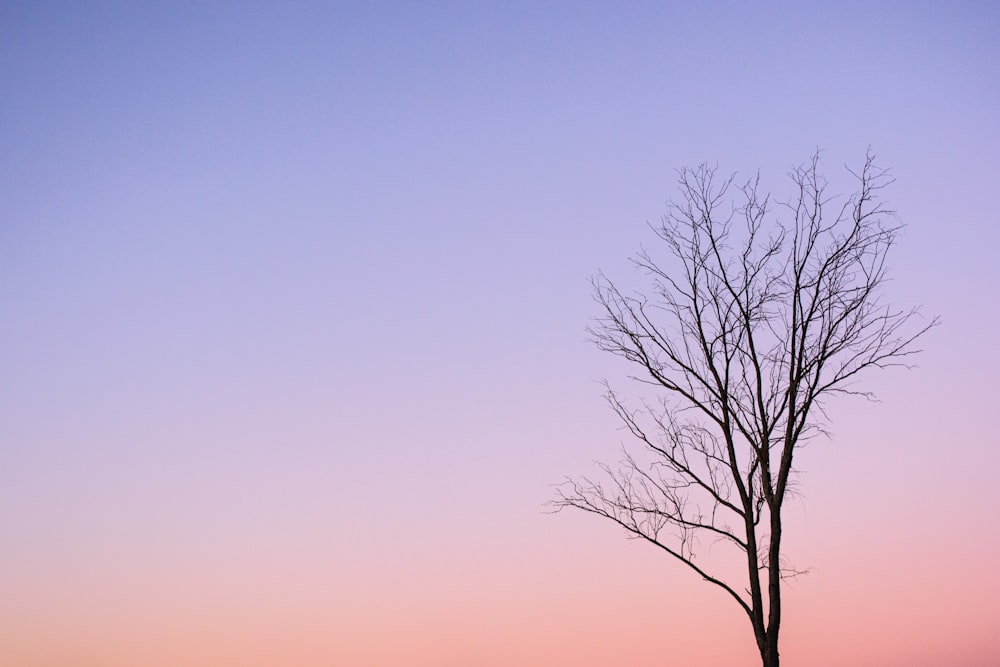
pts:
[770, 652]
[768, 647]
[770, 655]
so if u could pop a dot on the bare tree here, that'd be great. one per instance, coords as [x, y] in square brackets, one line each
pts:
[763, 312]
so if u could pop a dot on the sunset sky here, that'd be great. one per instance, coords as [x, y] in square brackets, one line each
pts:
[293, 300]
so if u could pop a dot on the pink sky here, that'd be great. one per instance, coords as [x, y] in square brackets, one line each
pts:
[292, 338]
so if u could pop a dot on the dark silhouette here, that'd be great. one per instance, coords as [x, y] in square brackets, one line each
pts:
[761, 314]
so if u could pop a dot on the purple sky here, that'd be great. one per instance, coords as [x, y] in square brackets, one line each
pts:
[292, 329]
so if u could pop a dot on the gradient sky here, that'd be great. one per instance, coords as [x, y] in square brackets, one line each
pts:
[292, 310]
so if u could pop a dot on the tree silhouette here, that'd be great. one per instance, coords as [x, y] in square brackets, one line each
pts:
[760, 313]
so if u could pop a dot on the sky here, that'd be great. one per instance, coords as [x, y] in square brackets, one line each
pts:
[293, 300]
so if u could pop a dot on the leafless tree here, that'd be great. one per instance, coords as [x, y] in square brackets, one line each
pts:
[762, 312]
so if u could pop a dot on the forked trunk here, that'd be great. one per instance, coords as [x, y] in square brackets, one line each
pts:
[768, 647]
